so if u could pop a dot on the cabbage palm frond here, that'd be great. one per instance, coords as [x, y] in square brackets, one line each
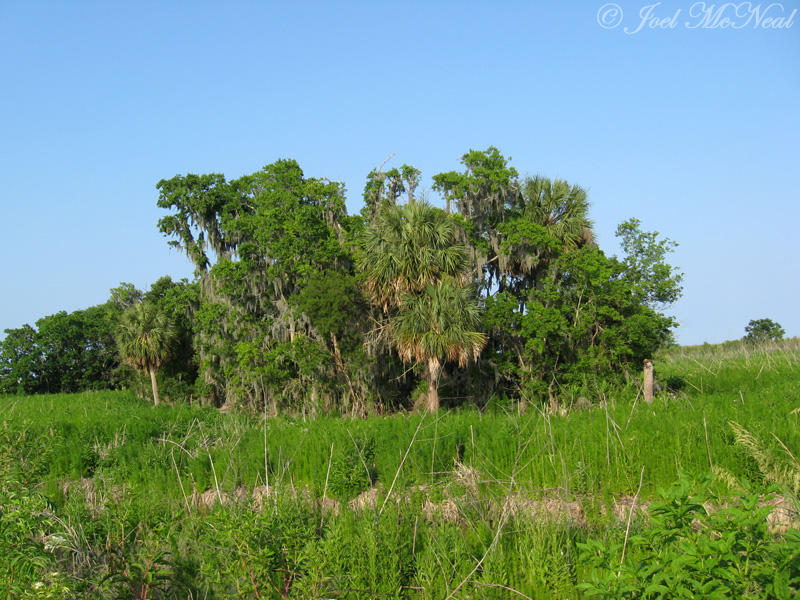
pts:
[409, 247]
[561, 208]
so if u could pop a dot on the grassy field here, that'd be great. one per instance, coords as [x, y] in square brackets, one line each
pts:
[105, 496]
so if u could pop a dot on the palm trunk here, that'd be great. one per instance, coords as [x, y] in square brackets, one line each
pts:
[154, 383]
[432, 375]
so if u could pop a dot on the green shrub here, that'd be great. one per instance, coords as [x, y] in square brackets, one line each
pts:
[690, 552]
[353, 470]
[28, 537]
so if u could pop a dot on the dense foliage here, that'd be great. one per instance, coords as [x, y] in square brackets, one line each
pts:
[298, 307]
[760, 330]
[78, 351]
[65, 352]
[689, 551]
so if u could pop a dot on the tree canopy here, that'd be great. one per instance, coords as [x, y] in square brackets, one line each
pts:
[298, 306]
[762, 330]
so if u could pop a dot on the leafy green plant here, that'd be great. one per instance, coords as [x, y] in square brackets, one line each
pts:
[139, 570]
[353, 471]
[28, 566]
[255, 554]
[689, 551]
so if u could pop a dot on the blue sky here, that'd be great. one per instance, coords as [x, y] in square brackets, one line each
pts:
[695, 131]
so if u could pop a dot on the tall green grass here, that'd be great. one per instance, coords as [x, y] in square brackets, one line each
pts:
[122, 441]
[98, 487]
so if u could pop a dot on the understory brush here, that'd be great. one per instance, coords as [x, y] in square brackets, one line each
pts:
[289, 548]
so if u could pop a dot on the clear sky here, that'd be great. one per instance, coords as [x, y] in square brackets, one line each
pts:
[693, 128]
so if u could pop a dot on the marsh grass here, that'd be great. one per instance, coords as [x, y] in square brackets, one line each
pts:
[123, 479]
[592, 452]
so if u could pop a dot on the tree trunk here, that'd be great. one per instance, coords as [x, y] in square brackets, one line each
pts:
[154, 383]
[648, 381]
[340, 365]
[432, 375]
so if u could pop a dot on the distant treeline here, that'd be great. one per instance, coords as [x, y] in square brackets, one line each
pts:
[77, 351]
[298, 306]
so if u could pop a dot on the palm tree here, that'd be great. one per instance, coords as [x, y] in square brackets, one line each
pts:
[408, 247]
[561, 211]
[438, 325]
[144, 339]
[560, 207]
[414, 270]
